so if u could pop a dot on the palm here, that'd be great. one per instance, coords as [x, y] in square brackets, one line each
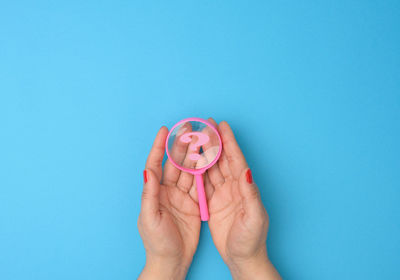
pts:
[180, 225]
[225, 209]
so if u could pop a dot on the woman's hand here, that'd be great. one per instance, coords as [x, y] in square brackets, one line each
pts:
[238, 220]
[169, 221]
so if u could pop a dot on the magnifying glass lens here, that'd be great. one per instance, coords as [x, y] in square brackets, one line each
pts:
[193, 145]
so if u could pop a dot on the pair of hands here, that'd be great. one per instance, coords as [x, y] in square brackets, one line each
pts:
[169, 221]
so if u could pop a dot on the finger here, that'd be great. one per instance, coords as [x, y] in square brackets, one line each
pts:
[171, 173]
[214, 173]
[254, 209]
[185, 181]
[234, 156]
[224, 166]
[156, 155]
[193, 193]
[208, 186]
[178, 153]
[213, 122]
[150, 196]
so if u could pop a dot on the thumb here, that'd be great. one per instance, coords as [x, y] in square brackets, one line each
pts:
[251, 195]
[248, 189]
[151, 194]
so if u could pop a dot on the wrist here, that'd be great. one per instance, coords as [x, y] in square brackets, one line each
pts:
[164, 268]
[256, 267]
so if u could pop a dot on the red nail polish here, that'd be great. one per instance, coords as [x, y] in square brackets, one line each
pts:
[249, 177]
[145, 176]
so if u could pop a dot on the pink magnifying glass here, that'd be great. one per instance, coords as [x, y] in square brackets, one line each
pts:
[193, 145]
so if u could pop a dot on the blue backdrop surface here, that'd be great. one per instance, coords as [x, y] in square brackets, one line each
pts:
[311, 89]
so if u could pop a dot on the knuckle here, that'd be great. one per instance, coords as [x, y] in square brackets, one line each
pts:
[254, 193]
[146, 194]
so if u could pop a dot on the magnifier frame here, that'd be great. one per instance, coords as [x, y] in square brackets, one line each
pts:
[203, 169]
[204, 216]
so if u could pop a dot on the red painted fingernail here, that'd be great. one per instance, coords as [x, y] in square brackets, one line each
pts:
[145, 176]
[249, 177]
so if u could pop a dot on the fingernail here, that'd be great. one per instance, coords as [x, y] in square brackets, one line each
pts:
[145, 176]
[249, 177]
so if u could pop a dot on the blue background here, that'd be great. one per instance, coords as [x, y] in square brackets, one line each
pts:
[311, 89]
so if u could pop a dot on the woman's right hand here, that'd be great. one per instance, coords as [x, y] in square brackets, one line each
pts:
[169, 220]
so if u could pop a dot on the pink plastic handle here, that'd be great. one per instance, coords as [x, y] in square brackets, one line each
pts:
[202, 197]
